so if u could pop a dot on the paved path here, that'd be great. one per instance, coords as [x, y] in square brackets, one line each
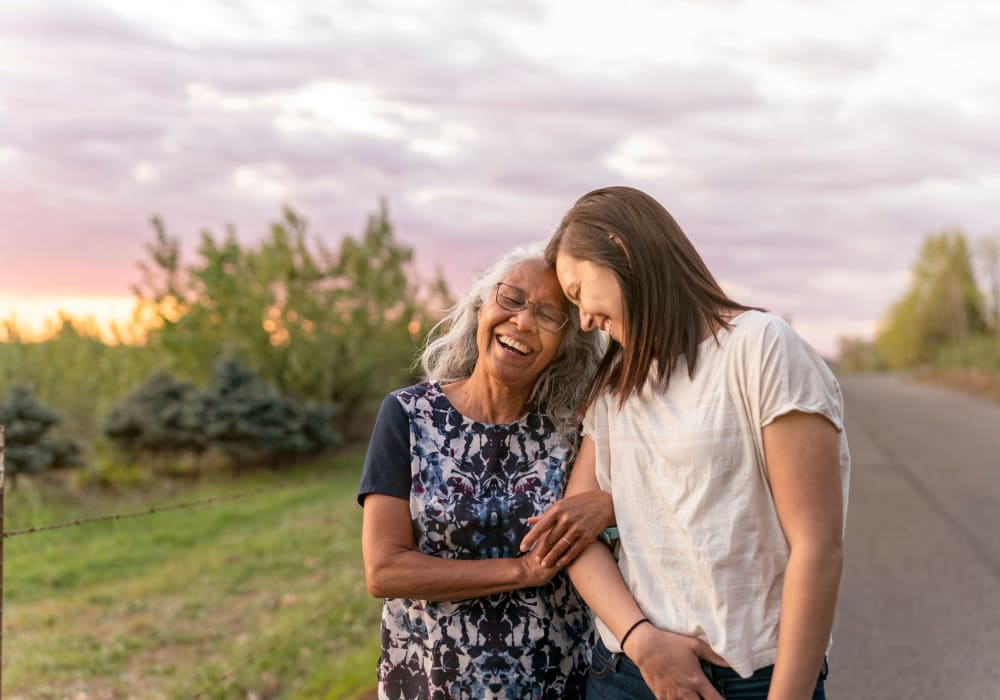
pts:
[919, 610]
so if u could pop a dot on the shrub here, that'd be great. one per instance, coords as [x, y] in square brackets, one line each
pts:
[29, 448]
[250, 422]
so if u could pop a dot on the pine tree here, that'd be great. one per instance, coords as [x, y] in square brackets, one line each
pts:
[29, 447]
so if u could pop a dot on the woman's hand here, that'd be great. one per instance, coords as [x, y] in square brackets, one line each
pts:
[559, 534]
[534, 572]
[671, 663]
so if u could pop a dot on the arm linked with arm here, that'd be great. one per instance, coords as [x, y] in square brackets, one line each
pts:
[395, 569]
[563, 532]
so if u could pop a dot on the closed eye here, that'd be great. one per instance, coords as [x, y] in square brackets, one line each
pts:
[513, 300]
[552, 314]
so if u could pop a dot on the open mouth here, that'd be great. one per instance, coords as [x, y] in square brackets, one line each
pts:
[513, 345]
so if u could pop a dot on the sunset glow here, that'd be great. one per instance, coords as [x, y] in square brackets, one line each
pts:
[38, 317]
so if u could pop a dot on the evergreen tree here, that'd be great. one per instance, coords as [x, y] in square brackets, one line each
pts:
[250, 422]
[161, 416]
[29, 448]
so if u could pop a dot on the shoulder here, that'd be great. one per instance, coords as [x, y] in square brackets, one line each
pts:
[410, 397]
[766, 333]
[756, 323]
[415, 391]
[762, 343]
[784, 368]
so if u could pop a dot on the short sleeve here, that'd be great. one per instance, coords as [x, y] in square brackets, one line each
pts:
[794, 377]
[595, 426]
[387, 463]
[590, 418]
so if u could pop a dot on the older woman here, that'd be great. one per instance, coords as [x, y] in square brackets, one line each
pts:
[456, 467]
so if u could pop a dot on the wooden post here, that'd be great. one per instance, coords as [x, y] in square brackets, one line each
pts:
[1, 559]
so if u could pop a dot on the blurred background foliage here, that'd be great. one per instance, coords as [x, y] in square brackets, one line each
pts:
[252, 355]
[948, 320]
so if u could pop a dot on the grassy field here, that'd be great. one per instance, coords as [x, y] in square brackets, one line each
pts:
[259, 597]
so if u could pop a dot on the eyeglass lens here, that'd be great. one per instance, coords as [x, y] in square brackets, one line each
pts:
[546, 315]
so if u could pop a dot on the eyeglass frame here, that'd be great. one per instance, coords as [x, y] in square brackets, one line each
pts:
[533, 305]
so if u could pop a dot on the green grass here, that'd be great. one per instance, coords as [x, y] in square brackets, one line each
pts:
[261, 596]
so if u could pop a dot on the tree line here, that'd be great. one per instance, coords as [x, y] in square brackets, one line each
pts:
[252, 354]
[949, 315]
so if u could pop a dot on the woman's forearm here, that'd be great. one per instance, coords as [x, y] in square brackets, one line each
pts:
[394, 568]
[807, 607]
[420, 576]
[596, 578]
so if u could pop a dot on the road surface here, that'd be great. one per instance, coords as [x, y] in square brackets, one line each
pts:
[919, 609]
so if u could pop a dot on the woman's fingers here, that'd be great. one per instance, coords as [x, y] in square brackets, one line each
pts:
[703, 651]
[563, 531]
[546, 531]
[553, 544]
[669, 664]
[560, 551]
[707, 691]
[573, 551]
[540, 527]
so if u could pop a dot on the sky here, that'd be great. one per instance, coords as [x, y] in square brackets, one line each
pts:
[806, 148]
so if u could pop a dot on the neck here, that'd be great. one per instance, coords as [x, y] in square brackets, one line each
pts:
[481, 399]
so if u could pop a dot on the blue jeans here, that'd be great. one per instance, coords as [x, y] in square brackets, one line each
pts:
[615, 677]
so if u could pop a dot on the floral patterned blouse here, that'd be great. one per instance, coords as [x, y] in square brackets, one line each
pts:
[471, 488]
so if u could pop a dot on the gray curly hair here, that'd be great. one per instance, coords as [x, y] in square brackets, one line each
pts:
[451, 353]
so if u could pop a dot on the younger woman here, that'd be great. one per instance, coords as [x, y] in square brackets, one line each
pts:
[719, 433]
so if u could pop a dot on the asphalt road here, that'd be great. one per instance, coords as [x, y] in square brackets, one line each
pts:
[919, 609]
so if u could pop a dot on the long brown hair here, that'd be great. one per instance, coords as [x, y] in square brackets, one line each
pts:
[670, 297]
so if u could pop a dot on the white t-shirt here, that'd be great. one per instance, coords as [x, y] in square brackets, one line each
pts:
[702, 550]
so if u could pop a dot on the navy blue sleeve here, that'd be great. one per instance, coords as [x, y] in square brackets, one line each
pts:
[387, 464]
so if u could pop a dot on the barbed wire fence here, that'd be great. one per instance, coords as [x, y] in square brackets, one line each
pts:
[227, 676]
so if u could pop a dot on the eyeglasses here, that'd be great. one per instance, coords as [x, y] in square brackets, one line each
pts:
[547, 316]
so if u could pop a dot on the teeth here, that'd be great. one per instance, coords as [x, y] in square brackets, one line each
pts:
[511, 343]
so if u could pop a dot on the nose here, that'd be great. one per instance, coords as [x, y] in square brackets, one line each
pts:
[524, 319]
[587, 322]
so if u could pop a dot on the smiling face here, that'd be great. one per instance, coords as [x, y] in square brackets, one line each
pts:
[594, 289]
[513, 348]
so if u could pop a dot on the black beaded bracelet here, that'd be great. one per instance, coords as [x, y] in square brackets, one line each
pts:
[630, 630]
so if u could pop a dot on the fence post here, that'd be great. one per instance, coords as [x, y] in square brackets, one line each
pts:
[1, 558]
